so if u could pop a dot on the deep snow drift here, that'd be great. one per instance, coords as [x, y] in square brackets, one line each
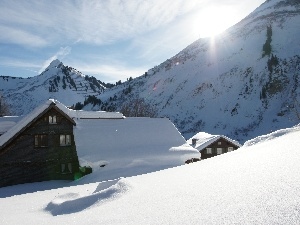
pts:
[256, 184]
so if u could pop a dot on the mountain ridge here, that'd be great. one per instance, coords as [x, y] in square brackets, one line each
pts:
[242, 83]
[259, 91]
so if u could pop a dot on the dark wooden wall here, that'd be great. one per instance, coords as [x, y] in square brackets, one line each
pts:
[224, 145]
[22, 162]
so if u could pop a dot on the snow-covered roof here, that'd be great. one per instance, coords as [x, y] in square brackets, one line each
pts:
[24, 122]
[129, 146]
[80, 114]
[184, 147]
[96, 115]
[7, 122]
[13, 127]
[204, 139]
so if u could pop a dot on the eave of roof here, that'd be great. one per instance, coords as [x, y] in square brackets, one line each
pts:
[69, 114]
[205, 139]
[8, 136]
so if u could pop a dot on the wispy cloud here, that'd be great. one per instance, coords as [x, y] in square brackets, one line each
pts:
[9, 62]
[63, 51]
[141, 33]
[93, 21]
[37, 23]
[18, 67]
[19, 36]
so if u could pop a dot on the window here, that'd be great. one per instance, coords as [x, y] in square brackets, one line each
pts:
[219, 143]
[52, 119]
[230, 149]
[219, 151]
[41, 140]
[66, 168]
[65, 139]
[208, 151]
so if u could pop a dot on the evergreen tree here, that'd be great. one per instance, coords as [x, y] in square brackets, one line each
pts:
[267, 48]
[138, 108]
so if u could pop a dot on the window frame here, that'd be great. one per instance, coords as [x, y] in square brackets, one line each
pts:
[209, 151]
[66, 168]
[65, 140]
[52, 119]
[40, 140]
[218, 151]
[230, 149]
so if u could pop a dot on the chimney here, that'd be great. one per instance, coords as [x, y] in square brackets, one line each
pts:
[194, 140]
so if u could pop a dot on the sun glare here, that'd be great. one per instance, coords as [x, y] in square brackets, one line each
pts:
[212, 21]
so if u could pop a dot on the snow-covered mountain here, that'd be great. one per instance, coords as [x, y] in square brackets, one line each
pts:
[57, 82]
[241, 83]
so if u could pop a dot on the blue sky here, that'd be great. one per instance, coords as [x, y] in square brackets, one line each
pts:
[109, 39]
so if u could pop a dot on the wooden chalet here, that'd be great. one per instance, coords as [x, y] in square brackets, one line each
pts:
[39, 147]
[212, 145]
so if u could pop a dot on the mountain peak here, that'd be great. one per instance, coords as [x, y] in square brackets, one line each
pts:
[55, 63]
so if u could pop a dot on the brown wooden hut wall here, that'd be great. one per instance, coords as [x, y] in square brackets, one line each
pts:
[22, 162]
[224, 145]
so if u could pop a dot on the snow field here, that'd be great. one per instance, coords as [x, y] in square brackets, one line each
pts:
[256, 184]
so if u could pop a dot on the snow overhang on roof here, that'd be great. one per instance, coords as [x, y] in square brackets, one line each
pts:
[80, 114]
[97, 115]
[17, 128]
[184, 148]
[7, 122]
[204, 139]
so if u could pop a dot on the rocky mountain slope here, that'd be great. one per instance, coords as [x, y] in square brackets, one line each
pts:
[242, 83]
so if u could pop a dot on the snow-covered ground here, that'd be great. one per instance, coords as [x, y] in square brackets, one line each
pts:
[256, 184]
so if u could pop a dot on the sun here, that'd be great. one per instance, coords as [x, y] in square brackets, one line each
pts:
[212, 20]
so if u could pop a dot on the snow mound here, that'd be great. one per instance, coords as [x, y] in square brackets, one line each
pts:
[271, 136]
[257, 184]
[73, 202]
